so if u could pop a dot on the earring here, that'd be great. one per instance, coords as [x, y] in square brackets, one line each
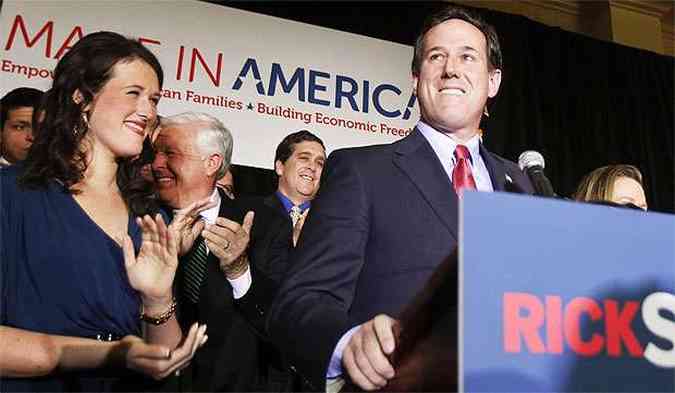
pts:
[485, 111]
[82, 125]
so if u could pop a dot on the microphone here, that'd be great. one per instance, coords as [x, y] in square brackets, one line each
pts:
[532, 163]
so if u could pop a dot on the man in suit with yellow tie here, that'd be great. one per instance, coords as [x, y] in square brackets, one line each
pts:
[299, 163]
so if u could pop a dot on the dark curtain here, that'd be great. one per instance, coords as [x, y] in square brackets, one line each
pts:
[581, 102]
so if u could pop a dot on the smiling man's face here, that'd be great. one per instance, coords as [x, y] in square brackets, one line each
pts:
[299, 176]
[454, 80]
[180, 169]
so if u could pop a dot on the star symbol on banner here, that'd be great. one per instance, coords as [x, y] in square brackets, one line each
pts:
[249, 106]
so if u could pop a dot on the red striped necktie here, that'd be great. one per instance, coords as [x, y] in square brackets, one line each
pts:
[461, 175]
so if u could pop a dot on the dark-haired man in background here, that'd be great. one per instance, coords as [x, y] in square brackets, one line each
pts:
[387, 215]
[298, 162]
[226, 183]
[16, 124]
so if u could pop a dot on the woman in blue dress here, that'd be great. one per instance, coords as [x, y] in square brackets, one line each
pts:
[87, 262]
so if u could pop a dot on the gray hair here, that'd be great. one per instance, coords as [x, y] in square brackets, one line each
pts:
[213, 137]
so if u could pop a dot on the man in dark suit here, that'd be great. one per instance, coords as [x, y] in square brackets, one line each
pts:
[224, 278]
[386, 216]
[298, 163]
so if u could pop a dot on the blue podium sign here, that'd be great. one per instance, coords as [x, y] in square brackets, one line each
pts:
[557, 296]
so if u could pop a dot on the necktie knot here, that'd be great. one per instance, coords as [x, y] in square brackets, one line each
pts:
[295, 213]
[462, 178]
[462, 153]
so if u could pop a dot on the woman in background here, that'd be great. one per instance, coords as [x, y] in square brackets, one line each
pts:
[620, 184]
[87, 260]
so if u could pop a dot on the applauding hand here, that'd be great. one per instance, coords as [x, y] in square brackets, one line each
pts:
[158, 361]
[228, 241]
[187, 225]
[151, 273]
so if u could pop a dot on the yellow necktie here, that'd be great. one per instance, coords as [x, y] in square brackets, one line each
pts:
[295, 214]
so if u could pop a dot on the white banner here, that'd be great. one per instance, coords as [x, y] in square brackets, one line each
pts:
[264, 77]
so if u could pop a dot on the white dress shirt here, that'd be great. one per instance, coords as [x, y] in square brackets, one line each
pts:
[444, 147]
[241, 284]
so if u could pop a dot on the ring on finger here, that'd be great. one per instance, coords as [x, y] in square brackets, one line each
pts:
[177, 373]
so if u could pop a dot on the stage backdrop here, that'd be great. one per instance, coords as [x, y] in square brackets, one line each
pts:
[264, 77]
[581, 102]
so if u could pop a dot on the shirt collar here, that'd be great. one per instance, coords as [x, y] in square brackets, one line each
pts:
[444, 145]
[288, 204]
[211, 214]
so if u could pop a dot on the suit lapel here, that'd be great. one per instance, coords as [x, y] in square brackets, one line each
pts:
[496, 169]
[274, 202]
[415, 157]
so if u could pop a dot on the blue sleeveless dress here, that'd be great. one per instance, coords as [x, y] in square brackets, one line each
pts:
[61, 274]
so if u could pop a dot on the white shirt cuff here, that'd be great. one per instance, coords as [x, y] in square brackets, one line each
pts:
[241, 284]
[335, 365]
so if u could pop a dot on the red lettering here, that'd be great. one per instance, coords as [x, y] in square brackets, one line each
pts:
[516, 325]
[573, 312]
[20, 25]
[179, 66]
[524, 314]
[554, 339]
[77, 32]
[144, 41]
[618, 328]
[196, 55]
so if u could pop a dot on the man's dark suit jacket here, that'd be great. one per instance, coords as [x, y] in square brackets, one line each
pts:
[291, 381]
[233, 359]
[273, 202]
[386, 216]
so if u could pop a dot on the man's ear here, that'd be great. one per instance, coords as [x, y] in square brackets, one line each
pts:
[279, 167]
[213, 163]
[494, 81]
[415, 79]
